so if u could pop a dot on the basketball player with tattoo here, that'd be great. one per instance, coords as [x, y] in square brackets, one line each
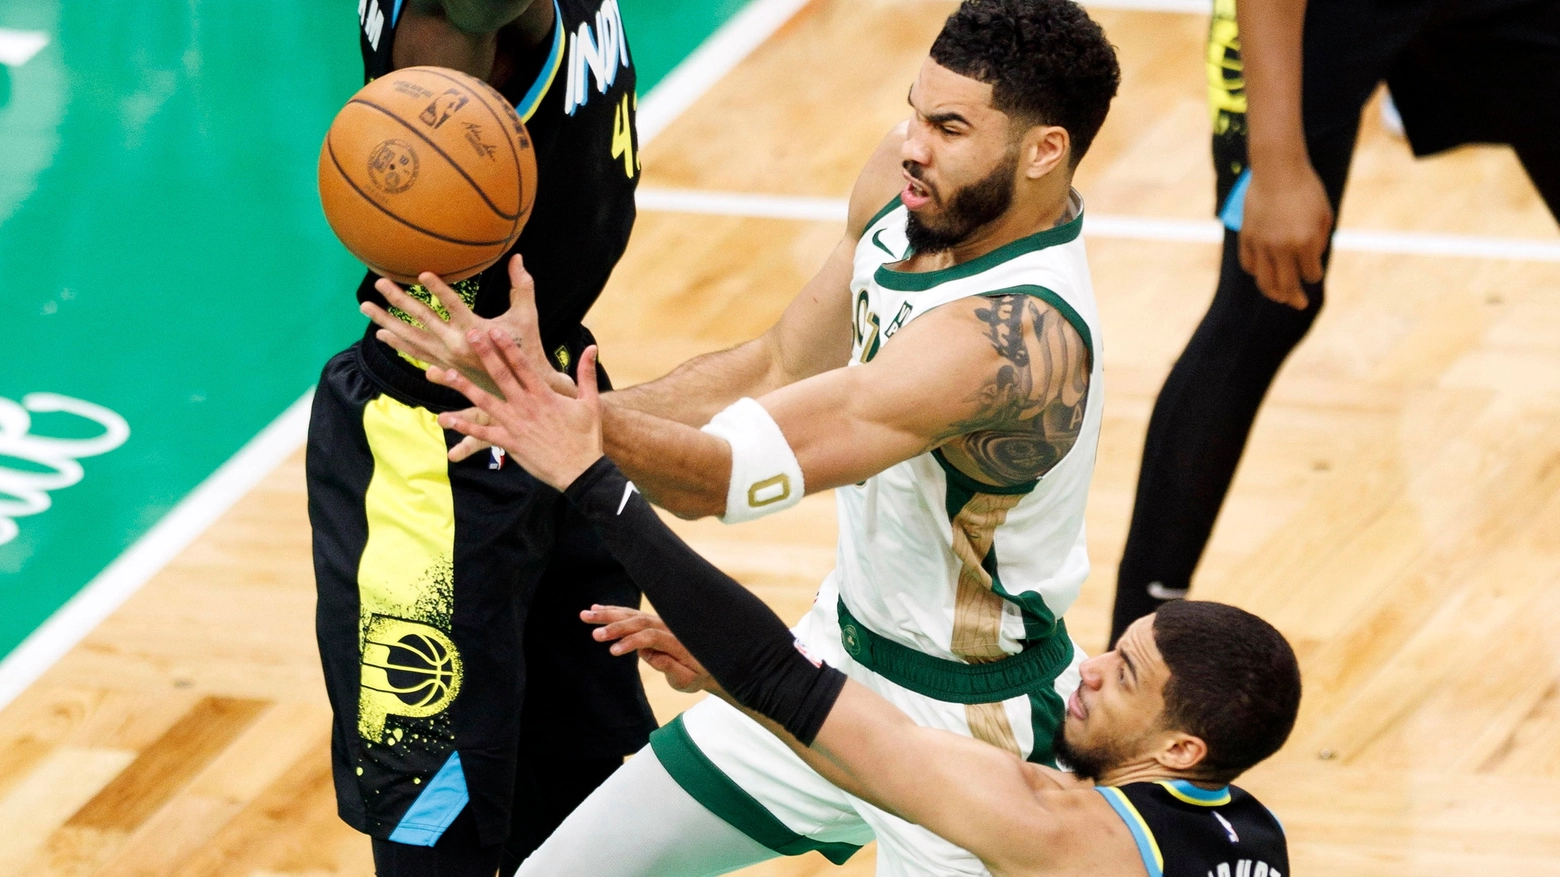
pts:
[1155, 734]
[471, 712]
[941, 374]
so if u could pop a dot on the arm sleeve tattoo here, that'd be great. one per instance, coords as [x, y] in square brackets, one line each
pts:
[1029, 410]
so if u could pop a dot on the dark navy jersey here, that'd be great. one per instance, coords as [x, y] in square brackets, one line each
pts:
[576, 93]
[1185, 831]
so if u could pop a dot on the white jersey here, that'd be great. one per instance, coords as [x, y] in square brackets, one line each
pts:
[928, 557]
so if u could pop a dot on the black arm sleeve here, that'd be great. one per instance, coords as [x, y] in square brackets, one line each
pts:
[743, 644]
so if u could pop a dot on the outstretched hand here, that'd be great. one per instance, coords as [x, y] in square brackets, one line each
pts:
[443, 342]
[631, 630]
[556, 437]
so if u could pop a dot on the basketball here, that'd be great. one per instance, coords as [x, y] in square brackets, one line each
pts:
[427, 169]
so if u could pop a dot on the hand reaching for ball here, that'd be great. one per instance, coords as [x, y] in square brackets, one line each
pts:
[446, 344]
[554, 435]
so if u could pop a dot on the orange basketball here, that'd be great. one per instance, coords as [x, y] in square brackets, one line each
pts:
[427, 169]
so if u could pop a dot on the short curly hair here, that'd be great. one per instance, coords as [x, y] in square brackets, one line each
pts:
[1234, 682]
[1047, 62]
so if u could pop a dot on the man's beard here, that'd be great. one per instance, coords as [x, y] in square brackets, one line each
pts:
[1087, 763]
[968, 210]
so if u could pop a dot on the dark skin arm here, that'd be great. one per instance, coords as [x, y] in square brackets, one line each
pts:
[473, 36]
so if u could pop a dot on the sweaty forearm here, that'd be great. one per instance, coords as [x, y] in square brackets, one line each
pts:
[700, 388]
[739, 640]
[679, 468]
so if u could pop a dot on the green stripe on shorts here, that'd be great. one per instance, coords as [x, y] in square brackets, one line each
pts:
[719, 794]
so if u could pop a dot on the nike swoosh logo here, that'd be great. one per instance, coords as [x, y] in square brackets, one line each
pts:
[879, 244]
[628, 490]
[1158, 591]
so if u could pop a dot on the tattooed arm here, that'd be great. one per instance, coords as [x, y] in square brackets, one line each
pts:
[999, 384]
[1029, 413]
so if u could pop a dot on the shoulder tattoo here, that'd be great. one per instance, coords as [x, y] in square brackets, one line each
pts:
[1029, 409]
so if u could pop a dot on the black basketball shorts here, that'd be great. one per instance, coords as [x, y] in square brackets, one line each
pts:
[426, 571]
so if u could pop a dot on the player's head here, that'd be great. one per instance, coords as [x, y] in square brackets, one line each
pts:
[1202, 689]
[1008, 102]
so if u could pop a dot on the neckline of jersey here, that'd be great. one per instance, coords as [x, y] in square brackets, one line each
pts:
[920, 281]
[1191, 794]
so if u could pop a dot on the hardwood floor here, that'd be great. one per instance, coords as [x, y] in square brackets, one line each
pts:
[1397, 513]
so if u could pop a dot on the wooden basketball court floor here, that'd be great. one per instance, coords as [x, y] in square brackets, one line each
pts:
[1397, 514]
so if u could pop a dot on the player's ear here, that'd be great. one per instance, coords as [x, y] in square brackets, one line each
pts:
[1182, 752]
[1045, 148]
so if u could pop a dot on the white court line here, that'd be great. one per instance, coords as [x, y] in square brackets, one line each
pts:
[1123, 227]
[17, 47]
[715, 57]
[161, 544]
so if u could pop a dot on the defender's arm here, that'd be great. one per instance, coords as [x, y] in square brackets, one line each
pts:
[1009, 813]
[463, 34]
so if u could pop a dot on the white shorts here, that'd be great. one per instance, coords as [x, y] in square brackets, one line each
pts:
[745, 775]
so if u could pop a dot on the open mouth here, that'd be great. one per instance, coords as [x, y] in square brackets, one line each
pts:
[915, 194]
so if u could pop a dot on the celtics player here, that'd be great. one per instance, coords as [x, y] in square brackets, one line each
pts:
[471, 713]
[1188, 700]
[942, 374]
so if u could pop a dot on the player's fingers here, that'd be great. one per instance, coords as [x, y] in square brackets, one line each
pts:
[471, 415]
[458, 382]
[644, 639]
[522, 287]
[511, 384]
[1311, 261]
[621, 627]
[400, 335]
[587, 382]
[1285, 279]
[454, 305]
[607, 614]
[518, 363]
[1286, 275]
[410, 305]
[1265, 275]
[467, 448]
[491, 434]
[1248, 253]
[678, 674]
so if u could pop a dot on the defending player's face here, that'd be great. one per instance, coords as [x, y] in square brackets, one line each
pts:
[960, 159]
[1117, 714]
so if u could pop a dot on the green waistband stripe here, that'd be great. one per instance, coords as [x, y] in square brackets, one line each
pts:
[1036, 667]
[721, 795]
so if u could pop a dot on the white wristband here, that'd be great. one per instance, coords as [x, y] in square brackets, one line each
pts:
[765, 476]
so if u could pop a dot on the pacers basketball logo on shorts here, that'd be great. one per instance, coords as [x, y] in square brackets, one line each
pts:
[408, 669]
[393, 166]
